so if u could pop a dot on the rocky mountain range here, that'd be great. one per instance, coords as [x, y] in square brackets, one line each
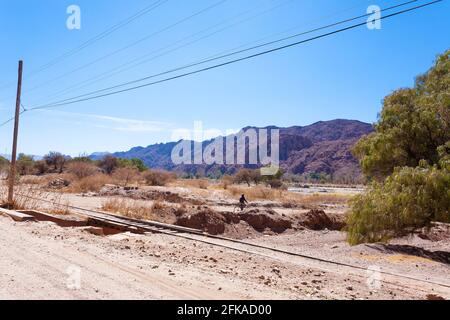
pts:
[322, 147]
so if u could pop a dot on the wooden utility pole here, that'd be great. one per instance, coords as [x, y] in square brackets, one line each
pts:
[12, 171]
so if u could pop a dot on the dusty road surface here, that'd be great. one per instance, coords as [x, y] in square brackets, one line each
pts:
[40, 260]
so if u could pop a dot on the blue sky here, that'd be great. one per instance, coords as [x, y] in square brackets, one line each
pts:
[343, 76]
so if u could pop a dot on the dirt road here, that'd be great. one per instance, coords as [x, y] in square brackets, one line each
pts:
[44, 261]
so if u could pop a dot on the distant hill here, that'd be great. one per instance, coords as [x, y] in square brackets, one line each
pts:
[322, 147]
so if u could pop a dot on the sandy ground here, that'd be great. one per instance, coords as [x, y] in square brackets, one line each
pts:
[38, 260]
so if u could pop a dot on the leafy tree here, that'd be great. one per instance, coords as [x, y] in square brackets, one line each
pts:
[40, 167]
[109, 164]
[248, 176]
[408, 156]
[4, 164]
[56, 160]
[25, 164]
[410, 198]
[412, 125]
[132, 163]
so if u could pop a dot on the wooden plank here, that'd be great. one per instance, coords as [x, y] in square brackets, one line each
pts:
[59, 220]
[16, 216]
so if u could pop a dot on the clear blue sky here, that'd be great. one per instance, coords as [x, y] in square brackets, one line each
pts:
[343, 76]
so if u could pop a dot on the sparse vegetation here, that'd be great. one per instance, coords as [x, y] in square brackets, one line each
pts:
[158, 177]
[82, 169]
[90, 183]
[125, 176]
[132, 208]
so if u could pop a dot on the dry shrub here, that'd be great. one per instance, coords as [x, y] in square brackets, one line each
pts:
[44, 179]
[31, 197]
[32, 180]
[90, 184]
[126, 175]
[158, 177]
[82, 169]
[192, 183]
[158, 205]
[181, 209]
[60, 209]
[315, 199]
[226, 181]
[286, 197]
[129, 208]
[256, 193]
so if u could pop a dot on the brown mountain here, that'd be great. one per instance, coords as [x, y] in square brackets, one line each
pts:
[322, 147]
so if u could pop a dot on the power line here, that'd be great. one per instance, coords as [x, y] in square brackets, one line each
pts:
[68, 101]
[57, 104]
[117, 26]
[231, 54]
[131, 44]
[104, 34]
[122, 68]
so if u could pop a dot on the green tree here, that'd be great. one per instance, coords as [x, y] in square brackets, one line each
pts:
[56, 160]
[408, 159]
[25, 164]
[412, 125]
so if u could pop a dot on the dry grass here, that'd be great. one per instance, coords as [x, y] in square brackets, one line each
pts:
[255, 193]
[32, 197]
[82, 169]
[315, 199]
[158, 177]
[126, 176]
[131, 208]
[44, 179]
[60, 209]
[191, 183]
[286, 197]
[90, 184]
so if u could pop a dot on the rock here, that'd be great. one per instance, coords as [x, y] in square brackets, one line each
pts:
[206, 220]
[349, 288]
[58, 183]
[93, 230]
[317, 219]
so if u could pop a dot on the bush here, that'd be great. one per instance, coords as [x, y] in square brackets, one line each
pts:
[25, 164]
[275, 183]
[226, 181]
[109, 164]
[56, 161]
[132, 163]
[91, 183]
[126, 175]
[41, 167]
[157, 177]
[409, 199]
[81, 169]
[248, 176]
[408, 154]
